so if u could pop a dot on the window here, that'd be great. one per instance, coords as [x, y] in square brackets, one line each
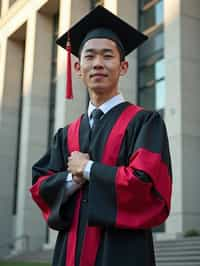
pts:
[152, 85]
[151, 14]
[151, 62]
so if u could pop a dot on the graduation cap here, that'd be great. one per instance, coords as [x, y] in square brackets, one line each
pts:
[99, 23]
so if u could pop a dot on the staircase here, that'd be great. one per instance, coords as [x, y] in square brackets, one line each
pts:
[179, 252]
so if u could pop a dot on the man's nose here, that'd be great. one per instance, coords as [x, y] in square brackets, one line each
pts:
[98, 62]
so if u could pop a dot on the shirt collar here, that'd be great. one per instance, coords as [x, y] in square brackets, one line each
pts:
[108, 105]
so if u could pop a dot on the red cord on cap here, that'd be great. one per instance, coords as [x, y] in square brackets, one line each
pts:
[69, 93]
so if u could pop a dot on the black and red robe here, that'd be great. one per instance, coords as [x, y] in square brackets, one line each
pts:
[108, 222]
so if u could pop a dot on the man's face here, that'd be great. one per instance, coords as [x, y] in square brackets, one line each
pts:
[100, 66]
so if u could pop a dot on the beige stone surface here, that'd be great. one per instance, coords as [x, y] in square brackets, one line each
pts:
[191, 8]
[191, 180]
[35, 115]
[191, 221]
[173, 111]
[190, 38]
[190, 97]
[174, 223]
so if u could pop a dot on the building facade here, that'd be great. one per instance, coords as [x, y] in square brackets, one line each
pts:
[164, 74]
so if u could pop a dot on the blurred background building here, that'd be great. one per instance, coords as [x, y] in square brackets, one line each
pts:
[164, 74]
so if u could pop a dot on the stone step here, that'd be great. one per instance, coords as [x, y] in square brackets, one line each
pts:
[183, 245]
[181, 241]
[178, 264]
[178, 253]
[184, 248]
[179, 259]
[178, 246]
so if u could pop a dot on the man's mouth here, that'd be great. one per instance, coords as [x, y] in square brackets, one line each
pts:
[98, 75]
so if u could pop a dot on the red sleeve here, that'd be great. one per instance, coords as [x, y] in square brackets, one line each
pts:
[143, 204]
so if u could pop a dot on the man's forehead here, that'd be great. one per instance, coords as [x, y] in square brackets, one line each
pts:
[99, 44]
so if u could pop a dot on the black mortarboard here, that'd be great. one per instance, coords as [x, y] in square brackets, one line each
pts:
[101, 23]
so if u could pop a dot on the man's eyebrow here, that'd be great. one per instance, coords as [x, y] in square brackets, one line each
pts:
[92, 50]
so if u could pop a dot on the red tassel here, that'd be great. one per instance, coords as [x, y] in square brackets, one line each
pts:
[69, 93]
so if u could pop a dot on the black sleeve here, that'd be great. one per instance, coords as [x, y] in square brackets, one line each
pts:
[49, 184]
[136, 195]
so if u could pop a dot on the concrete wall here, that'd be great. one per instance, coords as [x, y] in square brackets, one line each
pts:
[190, 96]
[9, 135]
[173, 114]
[182, 42]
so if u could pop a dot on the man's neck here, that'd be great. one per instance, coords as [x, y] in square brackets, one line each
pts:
[100, 99]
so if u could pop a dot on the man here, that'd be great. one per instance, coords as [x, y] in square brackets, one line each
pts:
[106, 179]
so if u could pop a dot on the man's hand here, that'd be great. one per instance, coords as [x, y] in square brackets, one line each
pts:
[76, 164]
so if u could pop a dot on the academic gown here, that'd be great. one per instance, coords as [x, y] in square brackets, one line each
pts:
[108, 221]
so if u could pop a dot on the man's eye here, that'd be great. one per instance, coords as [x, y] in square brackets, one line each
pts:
[108, 56]
[89, 56]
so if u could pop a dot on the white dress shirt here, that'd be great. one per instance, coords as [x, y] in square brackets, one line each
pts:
[105, 107]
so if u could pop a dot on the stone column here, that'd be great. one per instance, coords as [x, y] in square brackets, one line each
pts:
[190, 90]
[3, 49]
[182, 42]
[173, 113]
[10, 99]
[34, 129]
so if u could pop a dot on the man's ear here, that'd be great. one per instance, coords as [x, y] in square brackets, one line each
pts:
[123, 68]
[77, 68]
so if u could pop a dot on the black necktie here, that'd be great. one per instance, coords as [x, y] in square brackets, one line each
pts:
[96, 116]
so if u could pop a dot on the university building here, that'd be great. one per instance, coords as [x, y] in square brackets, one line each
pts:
[164, 75]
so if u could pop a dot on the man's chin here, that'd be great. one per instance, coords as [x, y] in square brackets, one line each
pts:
[98, 88]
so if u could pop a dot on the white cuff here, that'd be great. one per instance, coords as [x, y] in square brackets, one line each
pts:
[69, 177]
[87, 170]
